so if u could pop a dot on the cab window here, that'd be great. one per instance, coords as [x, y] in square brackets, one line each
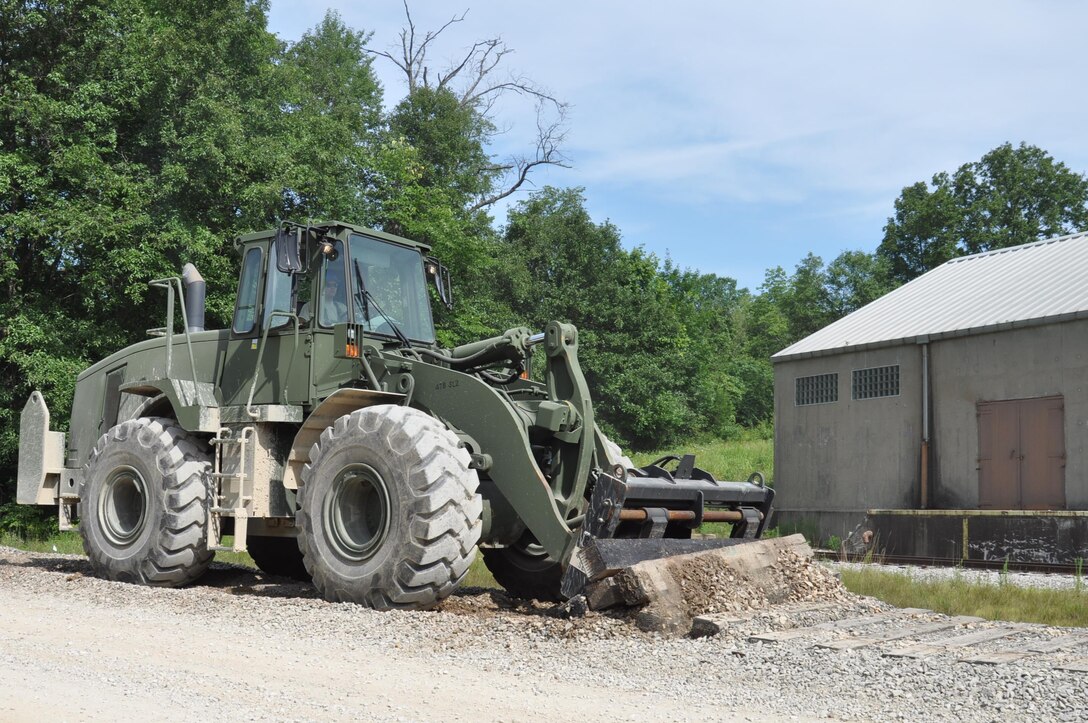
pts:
[334, 289]
[396, 293]
[278, 291]
[245, 313]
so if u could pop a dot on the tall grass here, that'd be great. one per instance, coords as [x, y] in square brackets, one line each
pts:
[70, 543]
[726, 460]
[956, 596]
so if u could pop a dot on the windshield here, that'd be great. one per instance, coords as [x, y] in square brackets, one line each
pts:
[393, 276]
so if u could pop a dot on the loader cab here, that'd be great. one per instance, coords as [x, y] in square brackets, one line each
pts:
[298, 283]
[389, 289]
[266, 315]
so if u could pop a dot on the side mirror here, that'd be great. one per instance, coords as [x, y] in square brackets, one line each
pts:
[439, 275]
[288, 250]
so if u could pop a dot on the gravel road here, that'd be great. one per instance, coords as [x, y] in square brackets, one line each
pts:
[243, 646]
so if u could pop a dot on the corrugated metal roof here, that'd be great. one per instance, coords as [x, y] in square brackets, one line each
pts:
[1025, 285]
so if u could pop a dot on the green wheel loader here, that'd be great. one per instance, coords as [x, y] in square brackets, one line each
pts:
[333, 438]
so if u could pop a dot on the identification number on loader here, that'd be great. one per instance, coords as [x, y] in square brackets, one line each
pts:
[447, 385]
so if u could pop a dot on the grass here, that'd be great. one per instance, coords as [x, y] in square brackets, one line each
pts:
[726, 460]
[479, 576]
[70, 543]
[959, 597]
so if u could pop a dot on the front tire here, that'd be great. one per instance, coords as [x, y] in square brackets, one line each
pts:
[388, 510]
[142, 511]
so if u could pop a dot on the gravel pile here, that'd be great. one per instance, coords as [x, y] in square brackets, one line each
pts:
[243, 646]
[712, 586]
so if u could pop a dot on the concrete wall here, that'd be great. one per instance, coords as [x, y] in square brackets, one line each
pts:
[1016, 364]
[834, 461]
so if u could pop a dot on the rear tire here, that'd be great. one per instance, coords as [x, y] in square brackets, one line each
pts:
[525, 570]
[388, 510]
[142, 509]
[278, 556]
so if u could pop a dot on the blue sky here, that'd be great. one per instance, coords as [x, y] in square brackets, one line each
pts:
[735, 137]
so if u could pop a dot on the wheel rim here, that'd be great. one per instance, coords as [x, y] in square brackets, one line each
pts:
[122, 506]
[529, 555]
[357, 512]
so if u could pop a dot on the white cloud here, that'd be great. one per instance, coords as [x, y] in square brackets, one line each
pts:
[783, 103]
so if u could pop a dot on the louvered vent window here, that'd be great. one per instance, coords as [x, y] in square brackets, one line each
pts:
[876, 382]
[817, 389]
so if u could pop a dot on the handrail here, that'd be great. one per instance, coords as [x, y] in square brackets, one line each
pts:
[168, 283]
[253, 413]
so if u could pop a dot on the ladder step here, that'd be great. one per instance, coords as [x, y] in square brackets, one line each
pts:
[227, 440]
[230, 511]
[224, 548]
[228, 475]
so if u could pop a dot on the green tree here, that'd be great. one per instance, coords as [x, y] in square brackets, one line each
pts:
[331, 123]
[656, 341]
[1010, 196]
[448, 114]
[789, 308]
[133, 137]
[854, 279]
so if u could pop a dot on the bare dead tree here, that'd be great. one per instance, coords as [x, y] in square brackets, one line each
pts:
[477, 84]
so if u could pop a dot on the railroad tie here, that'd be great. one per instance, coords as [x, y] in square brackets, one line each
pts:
[778, 636]
[897, 634]
[1054, 645]
[923, 650]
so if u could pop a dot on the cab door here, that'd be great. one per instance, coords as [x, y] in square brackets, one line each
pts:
[266, 309]
[330, 371]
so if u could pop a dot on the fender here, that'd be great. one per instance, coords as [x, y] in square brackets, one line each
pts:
[336, 405]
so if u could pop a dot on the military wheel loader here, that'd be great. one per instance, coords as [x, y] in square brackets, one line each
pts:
[329, 434]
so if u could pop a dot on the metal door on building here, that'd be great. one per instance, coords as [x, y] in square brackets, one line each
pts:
[1021, 463]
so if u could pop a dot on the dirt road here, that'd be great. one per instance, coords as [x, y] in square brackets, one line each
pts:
[242, 646]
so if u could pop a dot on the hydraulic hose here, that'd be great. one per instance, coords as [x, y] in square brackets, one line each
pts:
[461, 362]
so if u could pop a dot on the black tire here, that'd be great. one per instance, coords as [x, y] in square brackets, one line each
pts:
[142, 509]
[525, 570]
[278, 556]
[388, 510]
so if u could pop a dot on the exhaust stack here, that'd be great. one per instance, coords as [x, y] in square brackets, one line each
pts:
[194, 297]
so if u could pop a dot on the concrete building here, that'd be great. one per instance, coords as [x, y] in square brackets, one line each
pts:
[949, 417]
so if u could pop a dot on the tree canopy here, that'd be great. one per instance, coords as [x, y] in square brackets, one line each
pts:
[1010, 196]
[136, 135]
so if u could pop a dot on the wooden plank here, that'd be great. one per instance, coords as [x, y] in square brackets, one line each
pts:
[1062, 642]
[1041, 647]
[923, 650]
[844, 624]
[705, 625]
[1079, 665]
[999, 657]
[714, 623]
[1054, 645]
[896, 634]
